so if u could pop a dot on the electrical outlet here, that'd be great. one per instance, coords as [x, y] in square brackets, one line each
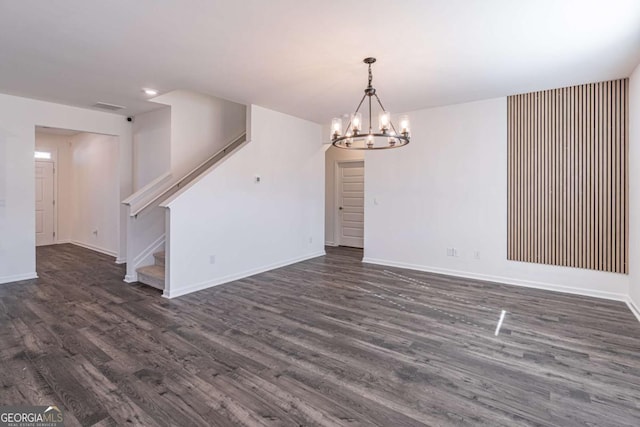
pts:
[212, 259]
[455, 252]
[476, 254]
[310, 239]
[95, 232]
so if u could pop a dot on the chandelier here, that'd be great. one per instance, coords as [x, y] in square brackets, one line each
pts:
[384, 136]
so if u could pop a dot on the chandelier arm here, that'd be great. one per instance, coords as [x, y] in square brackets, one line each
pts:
[380, 102]
[360, 104]
[369, 114]
[393, 127]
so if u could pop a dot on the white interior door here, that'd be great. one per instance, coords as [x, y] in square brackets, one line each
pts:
[351, 204]
[44, 204]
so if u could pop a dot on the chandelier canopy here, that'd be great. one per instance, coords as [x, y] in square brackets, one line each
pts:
[384, 136]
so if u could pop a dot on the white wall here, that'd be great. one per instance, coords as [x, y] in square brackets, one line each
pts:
[332, 156]
[95, 193]
[151, 146]
[200, 126]
[60, 148]
[448, 189]
[18, 119]
[247, 226]
[634, 189]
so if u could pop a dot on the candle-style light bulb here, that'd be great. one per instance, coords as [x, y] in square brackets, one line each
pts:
[356, 123]
[348, 141]
[385, 121]
[336, 127]
[370, 141]
[404, 124]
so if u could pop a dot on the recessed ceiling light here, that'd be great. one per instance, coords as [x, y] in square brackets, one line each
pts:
[150, 92]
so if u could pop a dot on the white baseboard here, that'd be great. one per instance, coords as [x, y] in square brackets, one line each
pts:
[327, 243]
[131, 278]
[95, 248]
[121, 260]
[62, 242]
[236, 276]
[633, 307]
[503, 280]
[18, 277]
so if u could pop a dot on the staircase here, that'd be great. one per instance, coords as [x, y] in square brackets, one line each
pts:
[153, 275]
[146, 220]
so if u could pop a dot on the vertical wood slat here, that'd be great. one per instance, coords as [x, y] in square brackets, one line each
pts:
[593, 179]
[568, 176]
[625, 138]
[614, 175]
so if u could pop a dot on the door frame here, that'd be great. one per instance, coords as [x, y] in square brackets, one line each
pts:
[337, 218]
[53, 160]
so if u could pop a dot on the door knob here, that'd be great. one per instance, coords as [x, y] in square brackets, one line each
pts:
[340, 208]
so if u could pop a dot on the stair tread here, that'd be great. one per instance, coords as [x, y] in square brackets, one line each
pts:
[155, 271]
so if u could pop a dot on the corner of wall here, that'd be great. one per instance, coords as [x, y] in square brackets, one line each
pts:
[634, 191]
[249, 115]
[635, 309]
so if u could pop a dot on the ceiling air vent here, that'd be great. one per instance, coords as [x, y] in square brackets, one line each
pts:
[106, 106]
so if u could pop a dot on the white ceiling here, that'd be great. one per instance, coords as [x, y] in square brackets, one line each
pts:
[304, 57]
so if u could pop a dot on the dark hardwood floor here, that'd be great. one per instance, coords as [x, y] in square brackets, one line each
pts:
[328, 341]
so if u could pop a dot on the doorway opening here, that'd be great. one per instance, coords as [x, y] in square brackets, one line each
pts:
[344, 198]
[77, 198]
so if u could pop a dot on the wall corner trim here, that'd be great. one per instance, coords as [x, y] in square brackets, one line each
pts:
[633, 307]
[502, 280]
[130, 278]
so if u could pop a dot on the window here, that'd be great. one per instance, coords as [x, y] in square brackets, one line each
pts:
[43, 155]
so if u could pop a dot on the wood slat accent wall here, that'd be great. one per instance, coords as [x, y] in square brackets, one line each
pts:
[568, 198]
